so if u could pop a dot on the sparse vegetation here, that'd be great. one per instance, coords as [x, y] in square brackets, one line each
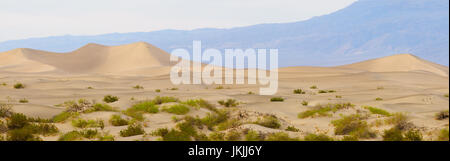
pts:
[250, 93]
[322, 111]
[377, 111]
[132, 130]
[442, 115]
[393, 134]
[219, 87]
[378, 99]
[100, 107]
[19, 86]
[443, 135]
[81, 123]
[157, 90]
[380, 88]
[233, 135]
[110, 99]
[337, 96]
[269, 121]
[305, 103]
[178, 109]
[327, 91]
[79, 135]
[90, 87]
[160, 100]
[397, 118]
[446, 95]
[315, 137]
[117, 120]
[22, 134]
[313, 87]
[254, 136]
[5, 110]
[230, 123]
[280, 136]
[63, 116]
[23, 100]
[353, 125]
[276, 99]
[228, 103]
[173, 89]
[292, 128]
[299, 91]
[138, 87]
[3, 84]
[213, 119]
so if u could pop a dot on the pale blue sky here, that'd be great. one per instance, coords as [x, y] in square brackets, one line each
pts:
[38, 18]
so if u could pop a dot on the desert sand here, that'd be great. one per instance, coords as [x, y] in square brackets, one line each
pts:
[405, 83]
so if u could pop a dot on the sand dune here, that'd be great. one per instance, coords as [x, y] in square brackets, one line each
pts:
[400, 62]
[92, 58]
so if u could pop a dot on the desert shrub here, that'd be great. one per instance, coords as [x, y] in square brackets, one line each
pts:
[378, 99]
[276, 99]
[89, 133]
[292, 128]
[305, 103]
[77, 106]
[90, 88]
[117, 120]
[322, 91]
[446, 95]
[413, 135]
[23, 100]
[157, 90]
[5, 110]
[17, 121]
[231, 123]
[233, 135]
[19, 86]
[160, 100]
[254, 136]
[380, 87]
[228, 103]
[442, 115]
[175, 135]
[43, 129]
[321, 110]
[338, 96]
[299, 91]
[353, 125]
[173, 89]
[110, 99]
[22, 134]
[81, 123]
[217, 136]
[280, 136]
[213, 119]
[71, 136]
[3, 127]
[105, 137]
[269, 121]
[443, 135]
[393, 134]
[350, 138]
[219, 87]
[397, 118]
[315, 137]
[63, 116]
[178, 109]
[250, 93]
[3, 84]
[145, 106]
[313, 87]
[378, 111]
[138, 87]
[132, 130]
[100, 107]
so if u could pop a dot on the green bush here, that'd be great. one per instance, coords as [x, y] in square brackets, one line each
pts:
[353, 125]
[443, 135]
[100, 107]
[305, 103]
[276, 99]
[71, 136]
[378, 99]
[378, 111]
[254, 136]
[299, 91]
[269, 122]
[178, 109]
[397, 118]
[160, 100]
[43, 129]
[23, 100]
[19, 86]
[320, 137]
[63, 116]
[322, 111]
[393, 134]
[213, 119]
[157, 90]
[228, 103]
[80, 123]
[17, 121]
[105, 137]
[110, 99]
[132, 130]
[292, 128]
[145, 106]
[313, 87]
[280, 136]
[116, 120]
[22, 134]
[231, 123]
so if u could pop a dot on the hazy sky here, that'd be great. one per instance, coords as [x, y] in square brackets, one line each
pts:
[38, 18]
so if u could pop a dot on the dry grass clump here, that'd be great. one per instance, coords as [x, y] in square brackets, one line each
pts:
[354, 125]
[81, 123]
[117, 120]
[5, 110]
[377, 111]
[317, 137]
[132, 130]
[269, 121]
[228, 103]
[279, 136]
[110, 99]
[178, 109]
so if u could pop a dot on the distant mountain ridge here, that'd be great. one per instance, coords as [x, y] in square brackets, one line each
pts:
[366, 29]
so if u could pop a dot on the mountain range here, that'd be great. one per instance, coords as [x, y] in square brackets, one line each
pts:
[364, 30]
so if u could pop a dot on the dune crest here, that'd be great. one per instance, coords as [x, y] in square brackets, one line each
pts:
[399, 63]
